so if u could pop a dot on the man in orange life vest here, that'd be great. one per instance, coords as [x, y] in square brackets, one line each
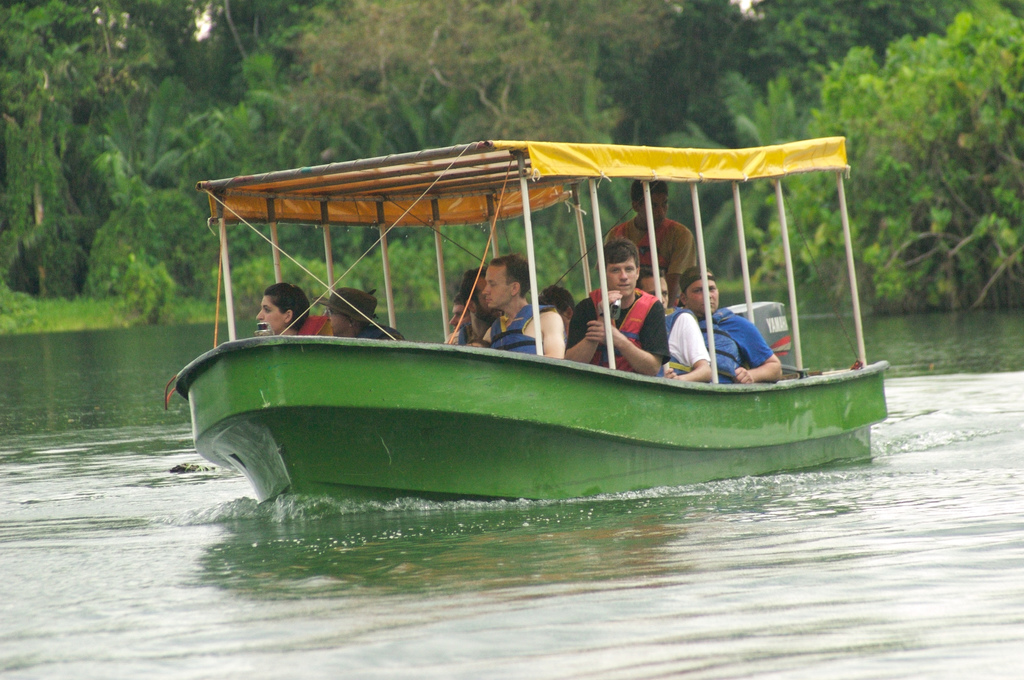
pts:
[638, 319]
[676, 250]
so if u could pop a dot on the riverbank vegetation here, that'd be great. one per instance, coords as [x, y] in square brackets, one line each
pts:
[110, 117]
[23, 313]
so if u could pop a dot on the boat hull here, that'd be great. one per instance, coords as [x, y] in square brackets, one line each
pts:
[372, 419]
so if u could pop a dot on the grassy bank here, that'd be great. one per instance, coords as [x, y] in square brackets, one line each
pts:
[21, 313]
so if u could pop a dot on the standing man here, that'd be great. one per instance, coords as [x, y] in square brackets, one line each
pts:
[741, 352]
[638, 324]
[507, 284]
[676, 249]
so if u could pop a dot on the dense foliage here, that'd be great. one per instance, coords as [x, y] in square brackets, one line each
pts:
[109, 117]
[938, 135]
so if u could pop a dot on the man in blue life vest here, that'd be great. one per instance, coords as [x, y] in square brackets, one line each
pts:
[638, 324]
[352, 316]
[742, 354]
[507, 284]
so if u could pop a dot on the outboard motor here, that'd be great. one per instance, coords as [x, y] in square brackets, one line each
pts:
[770, 319]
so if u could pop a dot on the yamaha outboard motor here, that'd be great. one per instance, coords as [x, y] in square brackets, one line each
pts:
[770, 319]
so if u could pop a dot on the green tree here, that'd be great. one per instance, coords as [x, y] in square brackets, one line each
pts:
[674, 84]
[937, 190]
[46, 76]
[798, 39]
[156, 215]
[388, 75]
[62, 71]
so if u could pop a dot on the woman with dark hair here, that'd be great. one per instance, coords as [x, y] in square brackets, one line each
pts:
[562, 300]
[284, 309]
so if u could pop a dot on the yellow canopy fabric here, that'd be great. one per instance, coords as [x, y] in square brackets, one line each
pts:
[552, 159]
[471, 183]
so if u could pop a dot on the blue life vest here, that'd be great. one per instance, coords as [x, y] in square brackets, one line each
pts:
[379, 332]
[727, 352]
[512, 338]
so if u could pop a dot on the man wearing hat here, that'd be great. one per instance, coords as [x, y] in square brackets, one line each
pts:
[741, 352]
[352, 316]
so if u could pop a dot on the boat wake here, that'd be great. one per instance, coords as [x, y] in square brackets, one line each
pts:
[292, 508]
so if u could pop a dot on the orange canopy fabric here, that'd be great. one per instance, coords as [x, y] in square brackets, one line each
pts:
[471, 183]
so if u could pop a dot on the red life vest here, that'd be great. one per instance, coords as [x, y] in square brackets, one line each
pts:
[315, 325]
[629, 326]
[644, 244]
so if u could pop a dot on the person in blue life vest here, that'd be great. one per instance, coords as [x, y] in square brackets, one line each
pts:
[352, 316]
[742, 354]
[638, 324]
[507, 284]
[688, 357]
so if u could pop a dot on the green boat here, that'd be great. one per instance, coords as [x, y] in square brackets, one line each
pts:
[384, 419]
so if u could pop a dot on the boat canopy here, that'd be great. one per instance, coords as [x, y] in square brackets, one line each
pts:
[471, 183]
[490, 180]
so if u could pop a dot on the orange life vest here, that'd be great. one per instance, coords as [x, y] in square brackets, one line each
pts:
[316, 325]
[629, 326]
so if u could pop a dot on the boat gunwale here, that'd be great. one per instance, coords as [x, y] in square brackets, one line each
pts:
[197, 366]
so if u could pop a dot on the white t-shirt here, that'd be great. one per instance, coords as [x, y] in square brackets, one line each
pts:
[686, 342]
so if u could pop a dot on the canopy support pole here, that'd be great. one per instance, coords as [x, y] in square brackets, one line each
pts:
[491, 210]
[229, 298]
[387, 274]
[329, 256]
[790, 279]
[582, 236]
[602, 273]
[703, 262]
[531, 260]
[655, 265]
[742, 240]
[328, 251]
[442, 288]
[277, 252]
[386, 262]
[858, 328]
[275, 248]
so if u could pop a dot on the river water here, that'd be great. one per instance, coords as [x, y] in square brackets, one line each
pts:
[910, 566]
